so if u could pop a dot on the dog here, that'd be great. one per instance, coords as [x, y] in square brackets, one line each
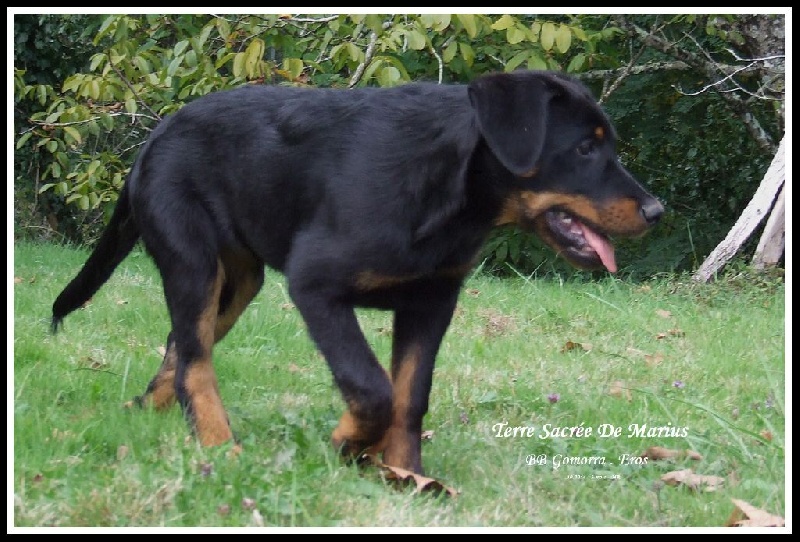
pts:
[367, 197]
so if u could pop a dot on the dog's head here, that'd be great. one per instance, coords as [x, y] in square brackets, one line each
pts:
[548, 131]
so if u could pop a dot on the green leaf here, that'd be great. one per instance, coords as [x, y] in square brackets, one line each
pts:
[94, 89]
[52, 117]
[45, 187]
[416, 40]
[180, 47]
[516, 60]
[375, 23]
[198, 41]
[468, 22]
[52, 146]
[42, 92]
[515, 35]
[467, 53]
[388, 76]
[548, 36]
[372, 68]
[73, 133]
[131, 106]
[104, 28]
[579, 33]
[503, 23]
[449, 52]
[96, 60]
[294, 66]
[191, 59]
[253, 56]
[55, 169]
[442, 22]
[563, 38]
[141, 64]
[576, 64]
[238, 64]
[223, 28]
[536, 62]
[23, 139]
[354, 51]
[172, 69]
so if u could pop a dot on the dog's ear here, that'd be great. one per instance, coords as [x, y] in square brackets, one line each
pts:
[512, 115]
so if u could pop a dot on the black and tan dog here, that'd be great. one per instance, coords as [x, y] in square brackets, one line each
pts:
[362, 198]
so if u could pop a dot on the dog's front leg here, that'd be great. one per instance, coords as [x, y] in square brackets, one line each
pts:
[363, 382]
[418, 332]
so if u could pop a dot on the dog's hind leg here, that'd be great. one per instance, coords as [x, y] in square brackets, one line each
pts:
[194, 307]
[244, 276]
[160, 392]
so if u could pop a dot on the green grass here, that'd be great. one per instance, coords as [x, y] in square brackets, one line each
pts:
[668, 352]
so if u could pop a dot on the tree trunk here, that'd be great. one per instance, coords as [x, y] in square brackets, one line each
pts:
[773, 240]
[755, 211]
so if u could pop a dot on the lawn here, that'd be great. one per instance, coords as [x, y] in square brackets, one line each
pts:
[551, 403]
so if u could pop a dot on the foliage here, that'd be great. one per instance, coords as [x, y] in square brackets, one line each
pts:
[83, 108]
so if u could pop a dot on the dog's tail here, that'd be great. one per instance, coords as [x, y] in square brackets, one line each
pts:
[114, 245]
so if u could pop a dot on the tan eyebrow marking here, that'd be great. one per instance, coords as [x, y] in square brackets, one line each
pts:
[599, 133]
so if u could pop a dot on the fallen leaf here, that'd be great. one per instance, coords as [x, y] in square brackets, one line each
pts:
[18, 280]
[248, 503]
[38, 477]
[497, 323]
[663, 314]
[258, 519]
[473, 292]
[688, 478]
[747, 515]
[657, 453]
[766, 435]
[224, 509]
[122, 301]
[463, 418]
[122, 452]
[287, 306]
[426, 435]
[652, 360]
[206, 469]
[618, 389]
[571, 345]
[162, 351]
[691, 454]
[670, 333]
[423, 483]
[234, 452]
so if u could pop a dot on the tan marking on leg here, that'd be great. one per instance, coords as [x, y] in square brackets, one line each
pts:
[161, 392]
[397, 445]
[209, 417]
[242, 271]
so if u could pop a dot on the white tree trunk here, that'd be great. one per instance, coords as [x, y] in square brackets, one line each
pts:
[773, 240]
[752, 216]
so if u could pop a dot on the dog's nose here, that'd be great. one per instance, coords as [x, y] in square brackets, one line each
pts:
[652, 211]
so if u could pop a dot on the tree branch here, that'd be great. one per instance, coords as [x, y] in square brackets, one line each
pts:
[711, 69]
[130, 87]
[373, 40]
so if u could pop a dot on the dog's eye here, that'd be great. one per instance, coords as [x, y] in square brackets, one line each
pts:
[586, 148]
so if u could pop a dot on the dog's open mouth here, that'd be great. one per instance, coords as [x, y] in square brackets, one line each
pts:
[579, 243]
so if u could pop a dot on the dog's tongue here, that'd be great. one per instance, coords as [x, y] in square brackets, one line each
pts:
[603, 248]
